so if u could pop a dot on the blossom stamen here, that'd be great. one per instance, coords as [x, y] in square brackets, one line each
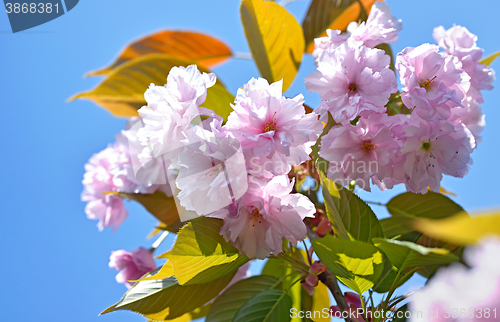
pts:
[427, 84]
[256, 216]
[270, 125]
[368, 147]
[352, 88]
[426, 146]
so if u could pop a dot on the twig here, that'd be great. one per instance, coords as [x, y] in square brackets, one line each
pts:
[243, 56]
[158, 242]
[330, 280]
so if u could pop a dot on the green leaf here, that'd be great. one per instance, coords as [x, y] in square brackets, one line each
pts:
[357, 218]
[356, 264]
[275, 39]
[332, 14]
[280, 268]
[488, 60]
[430, 205]
[268, 306]
[461, 229]
[226, 306]
[162, 299]
[201, 254]
[396, 226]
[193, 47]
[404, 254]
[408, 206]
[389, 274]
[122, 92]
[157, 203]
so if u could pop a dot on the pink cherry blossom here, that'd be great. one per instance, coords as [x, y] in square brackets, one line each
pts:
[475, 289]
[265, 215]
[359, 152]
[333, 39]
[212, 166]
[171, 109]
[471, 116]
[459, 42]
[351, 79]
[99, 178]
[146, 171]
[274, 131]
[380, 27]
[131, 265]
[432, 82]
[430, 150]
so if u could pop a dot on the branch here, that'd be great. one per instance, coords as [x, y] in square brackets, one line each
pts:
[328, 278]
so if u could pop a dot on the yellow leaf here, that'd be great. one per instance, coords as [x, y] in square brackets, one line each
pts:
[331, 14]
[122, 92]
[166, 271]
[158, 204]
[461, 229]
[488, 60]
[321, 300]
[193, 47]
[275, 39]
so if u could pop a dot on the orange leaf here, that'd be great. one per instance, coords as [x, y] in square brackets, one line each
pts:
[331, 14]
[193, 47]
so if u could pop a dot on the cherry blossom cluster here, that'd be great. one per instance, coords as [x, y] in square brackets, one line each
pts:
[441, 90]
[240, 168]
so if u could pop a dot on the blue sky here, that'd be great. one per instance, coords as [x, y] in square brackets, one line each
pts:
[54, 260]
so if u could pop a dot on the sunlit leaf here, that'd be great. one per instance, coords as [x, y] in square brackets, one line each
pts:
[193, 47]
[331, 14]
[157, 203]
[193, 315]
[201, 254]
[356, 216]
[162, 299]
[165, 271]
[122, 92]
[268, 306]
[404, 254]
[275, 39]
[488, 60]
[356, 264]
[226, 306]
[461, 229]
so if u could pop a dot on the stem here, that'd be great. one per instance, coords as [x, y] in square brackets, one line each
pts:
[375, 203]
[284, 3]
[158, 242]
[282, 279]
[309, 259]
[300, 266]
[364, 306]
[329, 279]
[243, 56]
